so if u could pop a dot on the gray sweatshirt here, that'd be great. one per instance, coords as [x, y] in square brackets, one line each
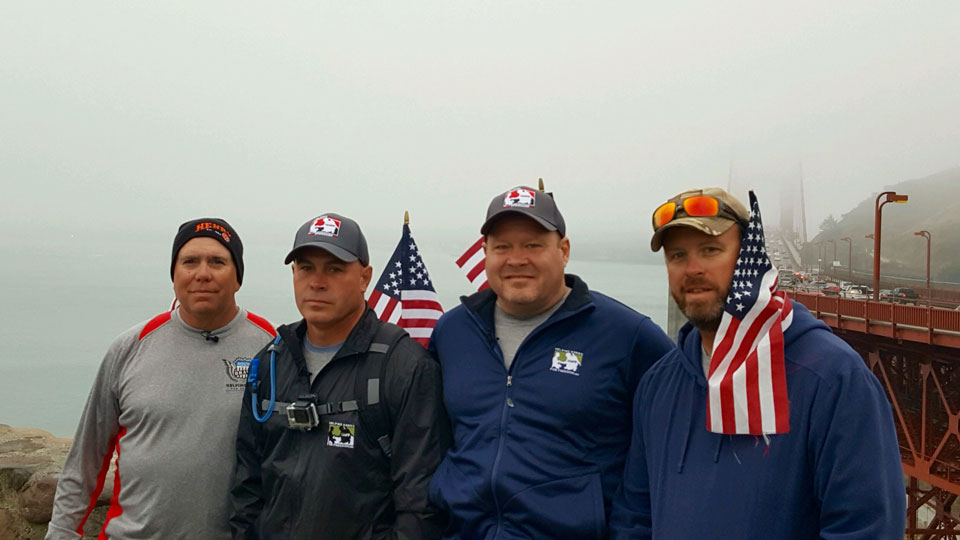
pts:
[167, 400]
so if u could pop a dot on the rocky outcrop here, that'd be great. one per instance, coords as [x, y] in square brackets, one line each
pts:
[30, 462]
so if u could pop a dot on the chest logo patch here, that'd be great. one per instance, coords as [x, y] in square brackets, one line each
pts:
[566, 361]
[237, 370]
[341, 435]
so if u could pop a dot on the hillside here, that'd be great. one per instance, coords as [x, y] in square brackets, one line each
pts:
[933, 206]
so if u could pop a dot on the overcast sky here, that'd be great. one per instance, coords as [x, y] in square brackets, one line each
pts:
[268, 113]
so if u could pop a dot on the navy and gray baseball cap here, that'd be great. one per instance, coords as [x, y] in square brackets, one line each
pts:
[529, 202]
[336, 234]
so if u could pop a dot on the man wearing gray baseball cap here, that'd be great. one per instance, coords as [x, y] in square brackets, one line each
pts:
[538, 375]
[332, 442]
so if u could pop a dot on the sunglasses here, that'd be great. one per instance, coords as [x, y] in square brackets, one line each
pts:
[695, 206]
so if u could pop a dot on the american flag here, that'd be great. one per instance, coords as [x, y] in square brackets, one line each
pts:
[747, 383]
[473, 264]
[404, 294]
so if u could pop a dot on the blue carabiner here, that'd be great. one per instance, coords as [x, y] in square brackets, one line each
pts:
[254, 381]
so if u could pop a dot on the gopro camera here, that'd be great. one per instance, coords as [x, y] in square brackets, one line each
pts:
[302, 414]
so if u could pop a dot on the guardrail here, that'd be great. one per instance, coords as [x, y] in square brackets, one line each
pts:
[914, 323]
[945, 294]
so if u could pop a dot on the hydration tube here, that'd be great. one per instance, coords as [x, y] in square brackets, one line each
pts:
[254, 381]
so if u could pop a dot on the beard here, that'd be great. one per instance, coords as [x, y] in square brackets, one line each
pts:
[705, 315]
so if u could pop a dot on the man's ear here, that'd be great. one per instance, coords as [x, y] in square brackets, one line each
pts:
[365, 276]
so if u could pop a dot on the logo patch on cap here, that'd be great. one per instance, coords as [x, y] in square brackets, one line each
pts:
[325, 226]
[216, 228]
[520, 198]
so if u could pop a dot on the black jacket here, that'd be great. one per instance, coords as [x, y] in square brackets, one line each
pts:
[292, 484]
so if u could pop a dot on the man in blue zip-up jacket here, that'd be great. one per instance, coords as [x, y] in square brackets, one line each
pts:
[538, 374]
[835, 475]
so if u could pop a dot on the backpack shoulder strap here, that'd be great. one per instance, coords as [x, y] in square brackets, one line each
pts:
[374, 414]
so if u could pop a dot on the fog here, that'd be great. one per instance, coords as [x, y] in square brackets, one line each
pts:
[127, 118]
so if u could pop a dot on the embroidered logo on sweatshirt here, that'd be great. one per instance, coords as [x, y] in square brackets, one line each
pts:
[237, 370]
[565, 361]
[341, 435]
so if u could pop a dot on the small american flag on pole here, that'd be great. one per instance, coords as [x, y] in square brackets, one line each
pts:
[473, 265]
[747, 385]
[404, 294]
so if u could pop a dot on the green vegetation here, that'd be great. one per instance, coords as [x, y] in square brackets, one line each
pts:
[932, 206]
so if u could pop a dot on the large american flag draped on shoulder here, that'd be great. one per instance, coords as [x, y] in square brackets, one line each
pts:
[747, 386]
[473, 265]
[404, 294]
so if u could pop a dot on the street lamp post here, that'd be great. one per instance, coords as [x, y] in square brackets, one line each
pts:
[888, 196]
[819, 258]
[849, 257]
[926, 234]
[834, 242]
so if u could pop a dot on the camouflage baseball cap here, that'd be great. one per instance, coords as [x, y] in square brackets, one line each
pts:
[526, 201]
[730, 211]
[336, 234]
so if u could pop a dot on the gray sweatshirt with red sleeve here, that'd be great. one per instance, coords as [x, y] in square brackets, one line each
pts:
[165, 402]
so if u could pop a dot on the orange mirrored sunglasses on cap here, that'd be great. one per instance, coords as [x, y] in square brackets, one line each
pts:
[695, 206]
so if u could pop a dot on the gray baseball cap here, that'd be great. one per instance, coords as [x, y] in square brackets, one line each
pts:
[338, 235]
[529, 202]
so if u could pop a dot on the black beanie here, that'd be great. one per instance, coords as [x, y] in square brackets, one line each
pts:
[215, 228]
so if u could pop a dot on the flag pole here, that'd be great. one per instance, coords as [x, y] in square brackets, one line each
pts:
[406, 217]
[541, 184]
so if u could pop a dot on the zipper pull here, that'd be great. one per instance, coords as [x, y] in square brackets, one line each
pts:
[509, 381]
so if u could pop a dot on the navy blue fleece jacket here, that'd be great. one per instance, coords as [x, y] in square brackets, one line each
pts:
[538, 450]
[835, 475]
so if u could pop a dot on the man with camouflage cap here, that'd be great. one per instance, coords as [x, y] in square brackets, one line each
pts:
[761, 419]
[343, 420]
[538, 376]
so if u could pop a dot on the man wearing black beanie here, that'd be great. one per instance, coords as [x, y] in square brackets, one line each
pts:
[167, 397]
[215, 228]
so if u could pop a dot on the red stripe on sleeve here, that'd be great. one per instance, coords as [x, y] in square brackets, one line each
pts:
[101, 478]
[115, 508]
[262, 323]
[154, 323]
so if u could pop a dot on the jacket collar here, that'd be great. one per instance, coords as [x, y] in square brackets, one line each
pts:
[358, 340]
[483, 302]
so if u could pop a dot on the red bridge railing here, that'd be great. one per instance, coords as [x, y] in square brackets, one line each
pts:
[922, 381]
[921, 324]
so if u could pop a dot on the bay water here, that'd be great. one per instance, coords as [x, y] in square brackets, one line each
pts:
[63, 303]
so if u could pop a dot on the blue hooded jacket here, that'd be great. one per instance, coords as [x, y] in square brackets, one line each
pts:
[538, 451]
[835, 475]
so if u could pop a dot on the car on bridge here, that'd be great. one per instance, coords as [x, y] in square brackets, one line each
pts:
[904, 295]
[830, 289]
[858, 292]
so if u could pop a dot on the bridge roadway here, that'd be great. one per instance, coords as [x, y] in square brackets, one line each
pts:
[915, 353]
